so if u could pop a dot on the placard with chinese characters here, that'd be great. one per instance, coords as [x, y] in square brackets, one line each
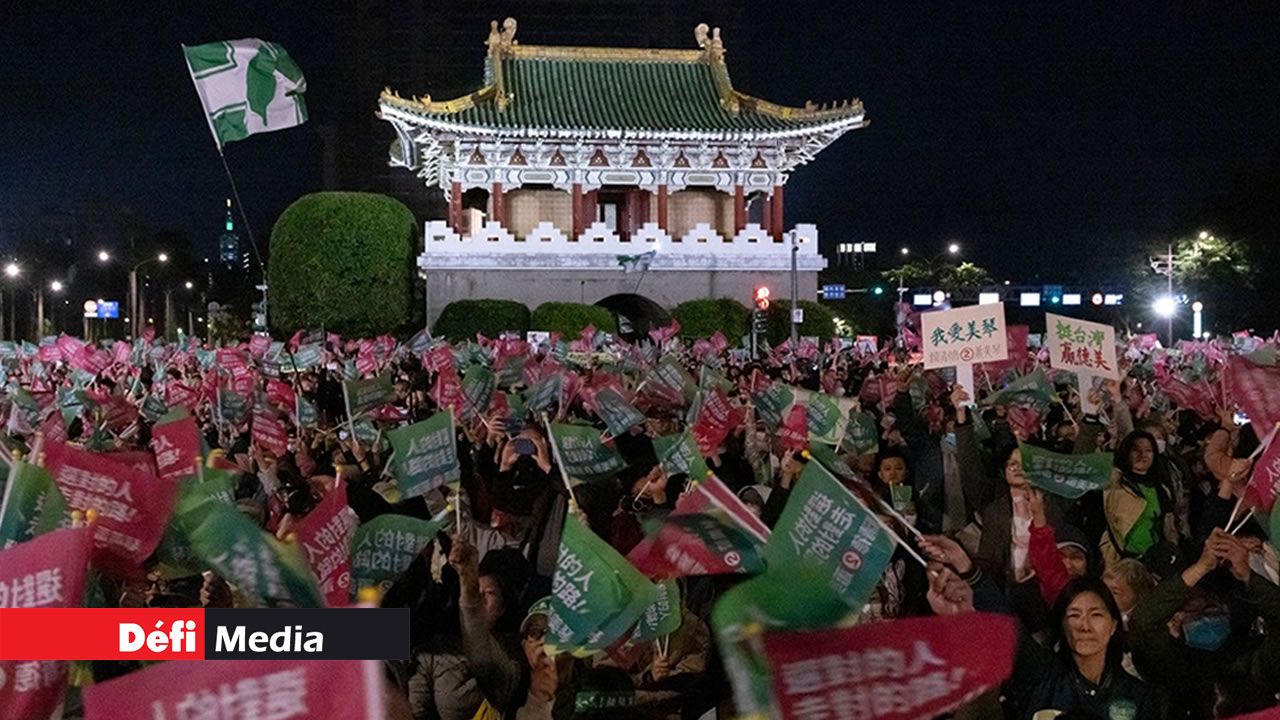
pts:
[1080, 346]
[964, 336]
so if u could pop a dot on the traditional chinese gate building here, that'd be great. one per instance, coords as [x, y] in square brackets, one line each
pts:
[567, 161]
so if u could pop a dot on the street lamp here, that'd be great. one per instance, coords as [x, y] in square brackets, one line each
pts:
[135, 313]
[104, 256]
[1165, 306]
[953, 248]
[12, 270]
[1197, 311]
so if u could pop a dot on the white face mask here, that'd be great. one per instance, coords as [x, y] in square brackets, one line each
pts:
[1160, 445]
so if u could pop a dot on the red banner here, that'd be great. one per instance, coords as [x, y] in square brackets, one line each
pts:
[133, 506]
[1264, 483]
[269, 432]
[176, 445]
[716, 418]
[325, 535]
[279, 689]
[898, 670]
[47, 572]
[1256, 390]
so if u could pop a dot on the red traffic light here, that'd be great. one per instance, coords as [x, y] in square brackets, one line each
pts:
[762, 297]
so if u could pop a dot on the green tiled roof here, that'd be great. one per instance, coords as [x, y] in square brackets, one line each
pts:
[599, 89]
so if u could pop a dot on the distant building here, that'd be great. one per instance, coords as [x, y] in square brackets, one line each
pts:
[569, 166]
[229, 243]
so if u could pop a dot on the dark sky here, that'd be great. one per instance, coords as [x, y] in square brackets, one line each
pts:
[1033, 133]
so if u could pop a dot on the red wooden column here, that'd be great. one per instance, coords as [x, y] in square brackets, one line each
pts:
[739, 209]
[589, 202]
[577, 210]
[775, 208]
[662, 207]
[455, 206]
[495, 196]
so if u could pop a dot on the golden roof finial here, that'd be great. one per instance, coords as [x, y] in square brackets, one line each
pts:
[709, 40]
[502, 39]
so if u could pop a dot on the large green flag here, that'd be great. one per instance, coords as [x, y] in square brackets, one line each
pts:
[679, 454]
[478, 384]
[246, 86]
[267, 571]
[596, 595]
[581, 455]
[824, 523]
[174, 557]
[791, 597]
[670, 382]
[663, 617]
[426, 455]
[1067, 475]
[825, 420]
[384, 547]
[30, 498]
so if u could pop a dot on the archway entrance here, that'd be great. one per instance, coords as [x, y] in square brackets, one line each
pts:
[636, 314]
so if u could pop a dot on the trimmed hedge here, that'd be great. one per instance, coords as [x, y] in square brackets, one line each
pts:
[344, 261]
[702, 318]
[819, 321]
[463, 319]
[569, 319]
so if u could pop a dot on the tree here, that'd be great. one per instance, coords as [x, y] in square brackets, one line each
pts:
[964, 278]
[344, 261]
[1208, 268]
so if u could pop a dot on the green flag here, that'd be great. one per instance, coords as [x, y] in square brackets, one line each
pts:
[825, 420]
[1033, 388]
[267, 571]
[862, 435]
[679, 454]
[670, 382]
[478, 384]
[362, 396]
[308, 414]
[28, 494]
[663, 617]
[384, 547]
[618, 415]
[823, 522]
[174, 557]
[544, 393]
[596, 595]
[581, 455]
[232, 406]
[426, 455]
[1067, 475]
[771, 404]
[246, 86]
[769, 602]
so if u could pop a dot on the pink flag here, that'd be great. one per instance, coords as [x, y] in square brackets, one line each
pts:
[663, 334]
[795, 428]
[438, 358]
[258, 345]
[68, 347]
[281, 689]
[1255, 389]
[716, 418]
[908, 669]
[269, 432]
[121, 352]
[325, 535]
[133, 506]
[48, 571]
[1264, 483]
[718, 343]
[179, 394]
[54, 428]
[176, 445]
[1024, 421]
[280, 394]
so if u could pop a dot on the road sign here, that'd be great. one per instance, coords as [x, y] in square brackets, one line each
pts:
[102, 309]
[833, 291]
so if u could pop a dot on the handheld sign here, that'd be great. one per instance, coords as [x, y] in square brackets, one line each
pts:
[962, 337]
[1083, 347]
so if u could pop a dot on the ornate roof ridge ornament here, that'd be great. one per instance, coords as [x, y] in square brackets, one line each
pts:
[500, 46]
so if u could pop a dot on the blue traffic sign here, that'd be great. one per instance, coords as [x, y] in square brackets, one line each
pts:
[833, 291]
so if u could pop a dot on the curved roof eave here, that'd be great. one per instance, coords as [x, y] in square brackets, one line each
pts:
[841, 124]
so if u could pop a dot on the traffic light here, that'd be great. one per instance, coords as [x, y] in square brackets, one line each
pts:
[877, 290]
[762, 297]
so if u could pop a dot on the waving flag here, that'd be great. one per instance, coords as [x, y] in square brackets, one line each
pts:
[246, 86]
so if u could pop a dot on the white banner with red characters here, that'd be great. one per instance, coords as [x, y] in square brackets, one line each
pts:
[176, 444]
[325, 535]
[133, 506]
[1082, 347]
[898, 670]
[276, 689]
[48, 571]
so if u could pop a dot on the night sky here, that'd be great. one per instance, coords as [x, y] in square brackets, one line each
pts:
[1034, 134]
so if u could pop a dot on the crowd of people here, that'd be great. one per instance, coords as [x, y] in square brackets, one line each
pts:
[1152, 596]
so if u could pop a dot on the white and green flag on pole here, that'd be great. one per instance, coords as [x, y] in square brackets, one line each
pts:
[247, 86]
